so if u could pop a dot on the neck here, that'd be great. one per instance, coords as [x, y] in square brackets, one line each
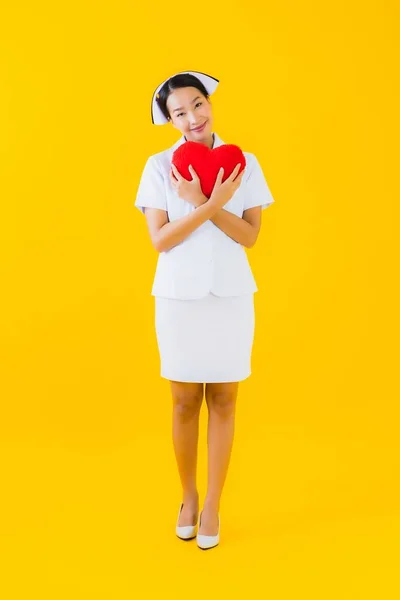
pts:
[209, 142]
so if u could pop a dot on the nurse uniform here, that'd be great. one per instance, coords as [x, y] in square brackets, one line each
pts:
[204, 286]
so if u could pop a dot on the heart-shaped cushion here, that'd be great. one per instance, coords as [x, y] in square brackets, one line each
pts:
[207, 162]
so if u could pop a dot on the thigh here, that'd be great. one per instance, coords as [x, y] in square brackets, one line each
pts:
[222, 390]
[182, 390]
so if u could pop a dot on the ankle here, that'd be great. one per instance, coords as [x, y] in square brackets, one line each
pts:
[211, 506]
[190, 498]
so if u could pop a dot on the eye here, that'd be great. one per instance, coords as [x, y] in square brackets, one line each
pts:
[178, 115]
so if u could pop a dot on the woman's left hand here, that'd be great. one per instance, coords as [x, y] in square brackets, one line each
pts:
[187, 190]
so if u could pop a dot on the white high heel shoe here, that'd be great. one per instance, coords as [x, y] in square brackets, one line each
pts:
[185, 532]
[208, 541]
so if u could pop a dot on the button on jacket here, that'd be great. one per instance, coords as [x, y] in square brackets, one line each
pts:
[208, 260]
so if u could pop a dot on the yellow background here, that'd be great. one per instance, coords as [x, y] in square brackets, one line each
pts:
[90, 490]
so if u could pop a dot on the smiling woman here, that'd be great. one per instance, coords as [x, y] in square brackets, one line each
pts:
[184, 102]
[203, 287]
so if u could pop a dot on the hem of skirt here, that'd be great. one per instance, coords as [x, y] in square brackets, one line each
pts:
[165, 376]
[171, 297]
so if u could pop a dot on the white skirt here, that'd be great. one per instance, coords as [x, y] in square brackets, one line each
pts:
[205, 340]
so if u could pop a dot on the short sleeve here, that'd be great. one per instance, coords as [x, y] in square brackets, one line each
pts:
[257, 191]
[151, 192]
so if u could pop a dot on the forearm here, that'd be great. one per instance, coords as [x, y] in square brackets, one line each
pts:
[235, 227]
[173, 233]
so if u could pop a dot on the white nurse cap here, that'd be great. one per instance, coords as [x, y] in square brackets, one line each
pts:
[208, 81]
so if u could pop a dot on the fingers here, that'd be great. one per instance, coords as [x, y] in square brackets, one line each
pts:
[234, 177]
[180, 177]
[193, 172]
[176, 172]
[219, 176]
[235, 171]
[238, 179]
[240, 176]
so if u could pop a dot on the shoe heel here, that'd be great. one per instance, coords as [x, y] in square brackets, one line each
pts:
[185, 532]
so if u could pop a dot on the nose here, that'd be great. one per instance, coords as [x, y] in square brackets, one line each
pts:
[192, 119]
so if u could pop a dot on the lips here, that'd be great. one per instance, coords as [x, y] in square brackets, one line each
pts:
[200, 128]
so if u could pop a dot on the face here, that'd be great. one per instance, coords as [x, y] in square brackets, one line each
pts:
[188, 109]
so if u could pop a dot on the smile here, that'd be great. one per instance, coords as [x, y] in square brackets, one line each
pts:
[200, 128]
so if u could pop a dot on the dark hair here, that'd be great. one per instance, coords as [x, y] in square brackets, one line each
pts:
[175, 82]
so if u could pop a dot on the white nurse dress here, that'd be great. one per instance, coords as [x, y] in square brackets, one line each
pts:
[203, 287]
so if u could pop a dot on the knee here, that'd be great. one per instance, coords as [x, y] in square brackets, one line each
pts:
[186, 406]
[222, 403]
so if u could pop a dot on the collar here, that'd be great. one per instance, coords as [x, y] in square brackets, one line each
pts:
[182, 140]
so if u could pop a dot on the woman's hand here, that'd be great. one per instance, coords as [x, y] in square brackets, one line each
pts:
[187, 190]
[223, 192]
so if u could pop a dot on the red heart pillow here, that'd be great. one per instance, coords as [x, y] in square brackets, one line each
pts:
[207, 162]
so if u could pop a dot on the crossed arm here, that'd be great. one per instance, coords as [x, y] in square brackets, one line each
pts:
[243, 230]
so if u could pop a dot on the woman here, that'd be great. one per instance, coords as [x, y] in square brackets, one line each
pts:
[204, 290]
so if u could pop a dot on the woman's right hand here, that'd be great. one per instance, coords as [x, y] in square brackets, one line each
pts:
[223, 192]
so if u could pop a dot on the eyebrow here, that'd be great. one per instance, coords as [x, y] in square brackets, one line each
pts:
[180, 107]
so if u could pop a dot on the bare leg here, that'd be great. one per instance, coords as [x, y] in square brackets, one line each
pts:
[221, 402]
[187, 401]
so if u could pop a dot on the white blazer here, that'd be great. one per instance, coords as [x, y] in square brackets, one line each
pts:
[208, 260]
